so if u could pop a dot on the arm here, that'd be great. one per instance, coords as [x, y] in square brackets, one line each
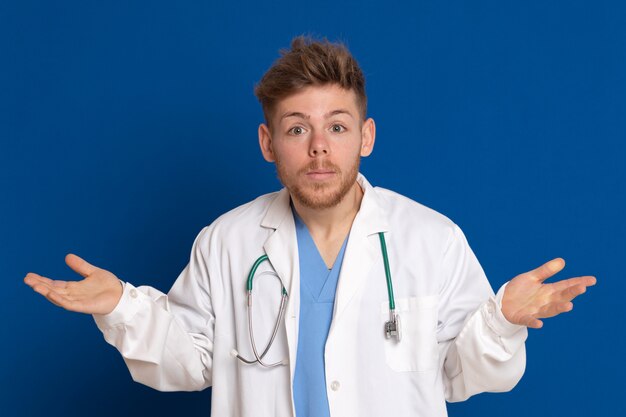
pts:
[166, 340]
[488, 353]
[479, 349]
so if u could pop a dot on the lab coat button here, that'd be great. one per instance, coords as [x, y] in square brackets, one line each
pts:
[490, 308]
[133, 293]
[335, 386]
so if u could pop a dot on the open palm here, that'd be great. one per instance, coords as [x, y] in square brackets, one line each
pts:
[98, 293]
[527, 299]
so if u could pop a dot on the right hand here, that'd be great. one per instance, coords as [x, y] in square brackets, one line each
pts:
[98, 293]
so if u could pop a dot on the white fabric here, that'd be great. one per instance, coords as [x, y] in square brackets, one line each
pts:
[455, 343]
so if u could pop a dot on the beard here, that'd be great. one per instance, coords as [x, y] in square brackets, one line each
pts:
[319, 195]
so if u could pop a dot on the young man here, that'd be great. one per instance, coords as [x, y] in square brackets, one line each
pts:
[387, 311]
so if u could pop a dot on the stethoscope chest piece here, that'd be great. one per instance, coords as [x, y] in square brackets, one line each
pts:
[393, 327]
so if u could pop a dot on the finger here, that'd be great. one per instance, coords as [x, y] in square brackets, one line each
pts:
[586, 281]
[79, 265]
[548, 269]
[32, 279]
[555, 309]
[530, 321]
[56, 298]
[48, 293]
[43, 290]
[75, 304]
[47, 285]
[43, 286]
[59, 284]
[572, 292]
[64, 302]
[569, 289]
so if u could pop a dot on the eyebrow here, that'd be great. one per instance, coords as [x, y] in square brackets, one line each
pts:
[307, 117]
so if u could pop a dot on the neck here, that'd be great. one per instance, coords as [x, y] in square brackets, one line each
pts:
[334, 221]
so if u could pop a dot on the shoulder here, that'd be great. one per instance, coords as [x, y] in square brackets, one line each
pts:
[415, 222]
[415, 225]
[405, 210]
[240, 220]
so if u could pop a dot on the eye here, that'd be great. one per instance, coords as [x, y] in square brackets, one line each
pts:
[296, 130]
[337, 128]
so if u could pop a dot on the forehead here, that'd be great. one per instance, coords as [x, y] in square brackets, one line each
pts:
[316, 101]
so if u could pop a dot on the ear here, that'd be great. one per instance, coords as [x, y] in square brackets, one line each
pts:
[368, 137]
[265, 142]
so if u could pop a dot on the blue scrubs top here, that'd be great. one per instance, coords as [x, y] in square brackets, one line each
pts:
[317, 298]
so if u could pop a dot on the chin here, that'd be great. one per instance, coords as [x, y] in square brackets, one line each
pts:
[319, 196]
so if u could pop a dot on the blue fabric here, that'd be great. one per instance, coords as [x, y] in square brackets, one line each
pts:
[317, 298]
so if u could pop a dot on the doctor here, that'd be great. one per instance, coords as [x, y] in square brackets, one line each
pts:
[352, 260]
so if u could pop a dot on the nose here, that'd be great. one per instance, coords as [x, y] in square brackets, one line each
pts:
[319, 145]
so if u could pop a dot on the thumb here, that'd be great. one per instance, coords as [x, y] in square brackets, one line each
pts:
[79, 265]
[548, 269]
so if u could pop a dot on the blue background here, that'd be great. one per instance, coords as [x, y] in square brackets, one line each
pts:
[126, 127]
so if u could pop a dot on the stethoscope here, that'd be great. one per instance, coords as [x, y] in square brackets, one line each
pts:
[392, 327]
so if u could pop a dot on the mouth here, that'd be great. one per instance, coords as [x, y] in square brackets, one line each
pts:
[320, 174]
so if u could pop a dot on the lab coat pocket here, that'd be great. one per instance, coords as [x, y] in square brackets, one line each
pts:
[417, 350]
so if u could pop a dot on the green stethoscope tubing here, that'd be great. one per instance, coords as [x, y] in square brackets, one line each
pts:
[258, 262]
[392, 327]
[383, 247]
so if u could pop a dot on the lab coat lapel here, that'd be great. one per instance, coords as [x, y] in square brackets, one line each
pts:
[282, 250]
[280, 246]
[362, 249]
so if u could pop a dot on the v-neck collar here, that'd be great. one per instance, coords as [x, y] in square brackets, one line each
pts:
[315, 276]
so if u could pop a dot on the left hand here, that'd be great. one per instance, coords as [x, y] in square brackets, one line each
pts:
[527, 299]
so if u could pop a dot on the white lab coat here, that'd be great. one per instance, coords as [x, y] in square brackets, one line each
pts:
[455, 342]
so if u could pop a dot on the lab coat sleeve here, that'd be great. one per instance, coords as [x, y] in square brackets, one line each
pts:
[481, 351]
[167, 340]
